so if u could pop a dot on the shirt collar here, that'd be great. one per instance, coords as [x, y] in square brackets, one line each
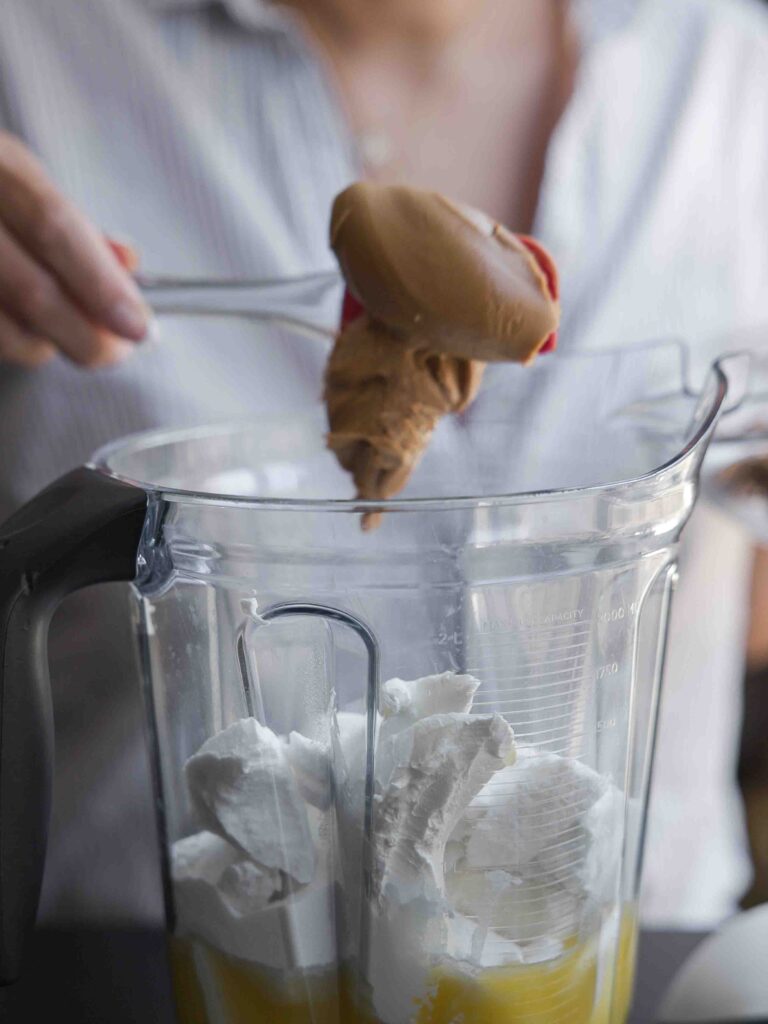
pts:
[256, 14]
[595, 19]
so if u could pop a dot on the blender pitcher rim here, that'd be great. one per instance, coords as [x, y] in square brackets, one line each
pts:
[100, 462]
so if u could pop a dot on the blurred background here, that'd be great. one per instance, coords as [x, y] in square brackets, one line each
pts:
[209, 139]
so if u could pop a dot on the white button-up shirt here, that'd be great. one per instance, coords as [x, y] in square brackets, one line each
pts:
[209, 135]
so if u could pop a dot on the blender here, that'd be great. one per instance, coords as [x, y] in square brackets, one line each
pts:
[401, 775]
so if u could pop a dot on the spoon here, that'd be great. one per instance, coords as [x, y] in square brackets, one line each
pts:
[310, 304]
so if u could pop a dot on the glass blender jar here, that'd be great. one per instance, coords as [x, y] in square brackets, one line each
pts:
[401, 775]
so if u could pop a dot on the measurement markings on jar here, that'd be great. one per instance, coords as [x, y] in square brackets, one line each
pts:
[510, 627]
[562, 732]
[495, 642]
[537, 726]
[606, 724]
[539, 695]
[556, 793]
[520, 666]
[605, 671]
[544, 663]
[619, 613]
[531, 705]
[537, 676]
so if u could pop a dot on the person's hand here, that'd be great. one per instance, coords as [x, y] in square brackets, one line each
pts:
[63, 287]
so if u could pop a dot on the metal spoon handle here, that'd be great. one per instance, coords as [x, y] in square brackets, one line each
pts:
[311, 304]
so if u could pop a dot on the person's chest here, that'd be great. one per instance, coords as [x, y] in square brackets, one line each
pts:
[471, 120]
[218, 151]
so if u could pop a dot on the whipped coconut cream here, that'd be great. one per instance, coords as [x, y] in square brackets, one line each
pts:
[243, 788]
[402, 702]
[223, 898]
[433, 769]
[541, 846]
[483, 853]
[432, 759]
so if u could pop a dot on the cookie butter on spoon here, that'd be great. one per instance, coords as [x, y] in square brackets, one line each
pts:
[435, 291]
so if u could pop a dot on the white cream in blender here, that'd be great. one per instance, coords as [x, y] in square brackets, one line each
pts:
[464, 830]
[249, 885]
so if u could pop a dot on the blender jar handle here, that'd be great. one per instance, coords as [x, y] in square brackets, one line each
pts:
[83, 529]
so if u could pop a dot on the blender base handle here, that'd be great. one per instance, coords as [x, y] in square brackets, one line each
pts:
[83, 529]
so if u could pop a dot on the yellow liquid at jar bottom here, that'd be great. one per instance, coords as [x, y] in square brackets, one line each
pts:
[566, 989]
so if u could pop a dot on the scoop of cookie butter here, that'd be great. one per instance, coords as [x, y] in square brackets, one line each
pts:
[442, 290]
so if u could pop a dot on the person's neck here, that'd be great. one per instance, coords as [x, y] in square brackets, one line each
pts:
[468, 111]
[370, 44]
[364, 27]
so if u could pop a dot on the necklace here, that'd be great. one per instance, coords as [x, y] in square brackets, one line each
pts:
[375, 149]
[384, 152]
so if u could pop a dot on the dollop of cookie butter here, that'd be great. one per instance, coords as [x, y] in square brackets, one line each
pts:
[442, 290]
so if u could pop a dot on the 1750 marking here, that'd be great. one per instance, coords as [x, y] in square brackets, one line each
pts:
[603, 671]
